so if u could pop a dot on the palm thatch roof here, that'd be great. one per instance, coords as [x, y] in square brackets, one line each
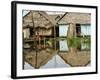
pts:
[77, 18]
[38, 19]
[43, 20]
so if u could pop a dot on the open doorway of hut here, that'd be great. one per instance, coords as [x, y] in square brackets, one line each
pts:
[57, 31]
[31, 32]
[78, 30]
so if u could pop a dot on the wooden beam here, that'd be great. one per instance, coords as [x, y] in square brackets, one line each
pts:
[62, 17]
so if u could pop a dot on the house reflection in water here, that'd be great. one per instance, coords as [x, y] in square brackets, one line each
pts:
[63, 46]
[61, 57]
[56, 40]
[44, 58]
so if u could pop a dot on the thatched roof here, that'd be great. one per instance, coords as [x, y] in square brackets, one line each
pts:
[38, 19]
[43, 20]
[77, 18]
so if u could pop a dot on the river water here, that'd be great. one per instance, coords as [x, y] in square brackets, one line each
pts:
[55, 61]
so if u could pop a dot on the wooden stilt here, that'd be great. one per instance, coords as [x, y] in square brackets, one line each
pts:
[44, 42]
[54, 38]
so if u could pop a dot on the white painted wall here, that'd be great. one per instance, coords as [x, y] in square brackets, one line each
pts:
[85, 29]
[63, 30]
[5, 40]
[26, 33]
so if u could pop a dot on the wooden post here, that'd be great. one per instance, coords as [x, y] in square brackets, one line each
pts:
[35, 41]
[75, 35]
[71, 30]
[36, 58]
[54, 37]
[44, 42]
[33, 29]
[39, 41]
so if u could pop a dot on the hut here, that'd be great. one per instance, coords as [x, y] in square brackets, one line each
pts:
[74, 24]
[40, 24]
[78, 24]
[40, 21]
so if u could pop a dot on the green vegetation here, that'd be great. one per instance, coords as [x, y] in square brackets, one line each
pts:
[74, 42]
[77, 41]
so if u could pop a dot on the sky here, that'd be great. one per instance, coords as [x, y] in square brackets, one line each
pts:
[24, 12]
